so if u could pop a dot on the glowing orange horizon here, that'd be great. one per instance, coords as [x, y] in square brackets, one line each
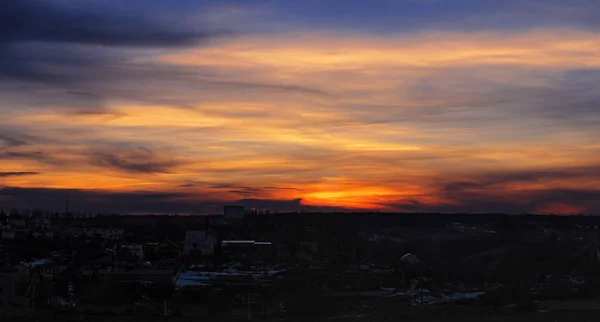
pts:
[393, 122]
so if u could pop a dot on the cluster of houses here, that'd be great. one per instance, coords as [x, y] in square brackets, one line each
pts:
[105, 258]
[91, 255]
[27, 225]
[19, 226]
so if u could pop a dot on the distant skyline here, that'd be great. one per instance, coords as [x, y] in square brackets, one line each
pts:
[408, 105]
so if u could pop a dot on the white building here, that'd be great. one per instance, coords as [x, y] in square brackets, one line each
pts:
[203, 241]
[136, 249]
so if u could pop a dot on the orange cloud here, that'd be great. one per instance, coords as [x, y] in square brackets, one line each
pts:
[354, 121]
[307, 53]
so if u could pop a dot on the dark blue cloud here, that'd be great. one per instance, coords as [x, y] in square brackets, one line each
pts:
[17, 174]
[136, 160]
[385, 16]
[27, 20]
[140, 19]
[508, 202]
[49, 41]
[135, 201]
[488, 192]
[11, 141]
[161, 22]
[100, 201]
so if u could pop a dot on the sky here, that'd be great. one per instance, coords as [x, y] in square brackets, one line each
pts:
[473, 106]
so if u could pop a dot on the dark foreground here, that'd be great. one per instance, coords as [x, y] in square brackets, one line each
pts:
[515, 317]
[567, 311]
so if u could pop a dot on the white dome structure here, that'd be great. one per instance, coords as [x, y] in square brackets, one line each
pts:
[411, 259]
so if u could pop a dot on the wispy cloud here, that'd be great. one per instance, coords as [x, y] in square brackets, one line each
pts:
[333, 113]
[11, 141]
[134, 159]
[17, 174]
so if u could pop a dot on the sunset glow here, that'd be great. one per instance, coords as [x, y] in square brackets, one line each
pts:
[284, 114]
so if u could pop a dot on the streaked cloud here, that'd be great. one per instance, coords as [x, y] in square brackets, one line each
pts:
[434, 117]
[134, 159]
[16, 174]
[546, 48]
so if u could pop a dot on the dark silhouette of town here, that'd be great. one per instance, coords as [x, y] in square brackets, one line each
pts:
[249, 264]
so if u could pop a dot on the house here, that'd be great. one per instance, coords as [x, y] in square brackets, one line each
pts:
[249, 250]
[17, 222]
[3, 218]
[71, 231]
[150, 252]
[12, 304]
[87, 271]
[136, 249]
[48, 234]
[40, 269]
[168, 255]
[43, 223]
[245, 243]
[93, 232]
[310, 246]
[51, 270]
[43, 234]
[78, 215]
[201, 241]
[22, 233]
[128, 257]
[112, 234]
[283, 252]
[158, 276]
[21, 273]
[9, 234]
[103, 262]
[4, 258]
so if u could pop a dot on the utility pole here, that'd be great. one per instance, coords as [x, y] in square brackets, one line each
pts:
[33, 297]
[248, 300]
[358, 287]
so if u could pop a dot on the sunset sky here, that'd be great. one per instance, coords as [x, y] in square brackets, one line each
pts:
[330, 105]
